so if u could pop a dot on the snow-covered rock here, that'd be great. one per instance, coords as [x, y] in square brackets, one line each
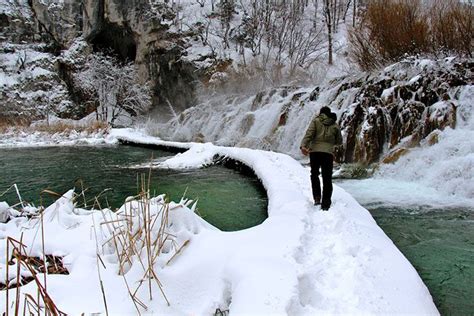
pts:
[4, 212]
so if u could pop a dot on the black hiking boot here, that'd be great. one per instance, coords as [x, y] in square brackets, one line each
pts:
[317, 201]
[325, 207]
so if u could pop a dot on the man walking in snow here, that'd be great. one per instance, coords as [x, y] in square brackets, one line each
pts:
[322, 135]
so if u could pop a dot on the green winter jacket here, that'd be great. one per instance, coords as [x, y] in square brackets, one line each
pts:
[322, 135]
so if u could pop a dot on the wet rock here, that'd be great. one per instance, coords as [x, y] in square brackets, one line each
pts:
[282, 119]
[439, 116]
[433, 138]
[257, 100]
[247, 123]
[4, 21]
[199, 138]
[406, 121]
[374, 134]
[314, 95]
[297, 96]
[133, 31]
[405, 93]
[350, 124]
[375, 90]
[394, 155]
[426, 96]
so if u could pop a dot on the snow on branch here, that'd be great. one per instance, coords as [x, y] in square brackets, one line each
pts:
[116, 87]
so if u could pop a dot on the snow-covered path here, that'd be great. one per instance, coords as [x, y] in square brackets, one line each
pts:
[343, 262]
[299, 261]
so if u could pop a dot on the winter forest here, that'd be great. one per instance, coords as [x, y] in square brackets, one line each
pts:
[170, 157]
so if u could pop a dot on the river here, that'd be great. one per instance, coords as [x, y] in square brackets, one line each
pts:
[435, 234]
[226, 198]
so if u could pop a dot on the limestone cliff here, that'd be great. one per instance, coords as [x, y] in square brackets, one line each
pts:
[134, 30]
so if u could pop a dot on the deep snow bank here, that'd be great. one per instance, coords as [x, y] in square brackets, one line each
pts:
[299, 261]
[344, 262]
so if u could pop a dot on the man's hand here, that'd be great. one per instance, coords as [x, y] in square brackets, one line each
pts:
[304, 151]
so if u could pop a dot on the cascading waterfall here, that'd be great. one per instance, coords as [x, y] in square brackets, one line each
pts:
[410, 105]
[448, 165]
[431, 176]
[272, 120]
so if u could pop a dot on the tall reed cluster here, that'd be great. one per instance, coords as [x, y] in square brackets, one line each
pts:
[140, 233]
[137, 235]
[390, 29]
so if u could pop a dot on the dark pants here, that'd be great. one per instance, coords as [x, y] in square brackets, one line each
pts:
[325, 162]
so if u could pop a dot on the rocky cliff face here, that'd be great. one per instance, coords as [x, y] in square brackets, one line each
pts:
[30, 87]
[402, 105]
[134, 30]
[381, 114]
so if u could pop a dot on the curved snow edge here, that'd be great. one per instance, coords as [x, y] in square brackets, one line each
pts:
[334, 262]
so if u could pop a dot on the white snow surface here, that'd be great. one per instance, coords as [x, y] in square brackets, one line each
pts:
[299, 261]
[11, 139]
[15, 138]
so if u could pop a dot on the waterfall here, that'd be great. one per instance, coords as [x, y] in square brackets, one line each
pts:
[275, 119]
[448, 165]
[421, 106]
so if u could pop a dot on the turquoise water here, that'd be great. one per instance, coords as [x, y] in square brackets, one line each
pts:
[226, 198]
[440, 245]
[438, 242]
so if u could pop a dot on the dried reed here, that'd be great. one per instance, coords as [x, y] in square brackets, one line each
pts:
[18, 249]
[139, 235]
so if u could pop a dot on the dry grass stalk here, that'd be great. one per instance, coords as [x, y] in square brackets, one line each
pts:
[67, 127]
[178, 251]
[42, 248]
[17, 250]
[16, 124]
[139, 235]
[9, 123]
[98, 258]
[33, 306]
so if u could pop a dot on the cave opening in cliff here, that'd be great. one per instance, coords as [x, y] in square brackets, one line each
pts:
[117, 40]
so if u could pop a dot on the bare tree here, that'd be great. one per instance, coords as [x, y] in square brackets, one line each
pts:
[328, 9]
[115, 86]
[279, 34]
[21, 61]
[226, 11]
[354, 12]
[315, 17]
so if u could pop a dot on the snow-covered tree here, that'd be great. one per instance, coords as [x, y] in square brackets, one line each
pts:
[117, 89]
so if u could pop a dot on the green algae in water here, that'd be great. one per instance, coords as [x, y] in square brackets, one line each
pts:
[227, 199]
[440, 245]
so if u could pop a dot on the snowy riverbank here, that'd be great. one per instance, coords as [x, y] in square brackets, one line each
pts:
[55, 132]
[299, 261]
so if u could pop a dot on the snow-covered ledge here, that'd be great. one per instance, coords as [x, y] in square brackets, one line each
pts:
[298, 261]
